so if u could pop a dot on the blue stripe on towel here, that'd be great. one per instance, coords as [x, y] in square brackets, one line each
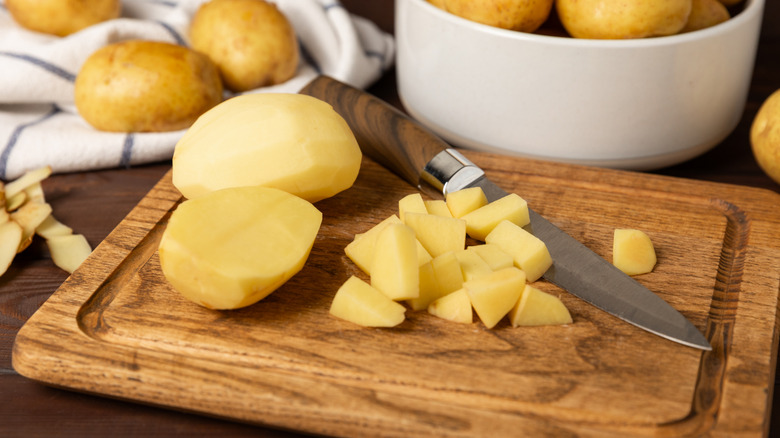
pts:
[12, 141]
[179, 40]
[59, 71]
[127, 150]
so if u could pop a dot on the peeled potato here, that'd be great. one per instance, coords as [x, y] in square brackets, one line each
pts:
[146, 86]
[233, 247]
[291, 142]
[62, 17]
[251, 41]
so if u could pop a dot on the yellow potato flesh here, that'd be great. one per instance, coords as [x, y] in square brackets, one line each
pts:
[480, 222]
[455, 307]
[437, 234]
[356, 301]
[464, 201]
[494, 295]
[233, 247]
[472, 265]
[361, 249]
[411, 203]
[633, 251]
[494, 256]
[395, 270]
[538, 308]
[291, 142]
[529, 253]
[437, 207]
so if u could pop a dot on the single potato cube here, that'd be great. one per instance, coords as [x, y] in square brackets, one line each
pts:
[429, 288]
[633, 252]
[356, 301]
[437, 207]
[472, 265]
[448, 272]
[480, 222]
[538, 308]
[529, 253]
[395, 271]
[494, 295]
[411, 203]
[455, 307]
[493, 255]
[232, 247]
[437, 234]
[465, 201]
[361, 249]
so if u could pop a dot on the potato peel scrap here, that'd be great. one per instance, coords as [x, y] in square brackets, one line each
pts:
[24, 213]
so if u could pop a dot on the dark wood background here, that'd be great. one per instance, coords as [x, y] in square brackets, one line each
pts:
[93, 203]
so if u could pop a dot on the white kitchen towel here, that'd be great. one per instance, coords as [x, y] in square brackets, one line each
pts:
[40, 126]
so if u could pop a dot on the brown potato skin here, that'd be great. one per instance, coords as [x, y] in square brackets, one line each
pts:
[146, 86]
[62, 17]
[251, 41]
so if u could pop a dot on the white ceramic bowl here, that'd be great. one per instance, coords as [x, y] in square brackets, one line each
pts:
[634, 104]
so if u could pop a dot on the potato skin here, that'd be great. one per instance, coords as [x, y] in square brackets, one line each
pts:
[251, 41]
[146, 86]
[62, 17]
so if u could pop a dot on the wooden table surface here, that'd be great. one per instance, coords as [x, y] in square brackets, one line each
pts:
[93, 203]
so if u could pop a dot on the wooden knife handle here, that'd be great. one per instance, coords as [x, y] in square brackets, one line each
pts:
[384, 133]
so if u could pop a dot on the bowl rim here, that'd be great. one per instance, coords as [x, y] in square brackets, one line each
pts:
[751, 8]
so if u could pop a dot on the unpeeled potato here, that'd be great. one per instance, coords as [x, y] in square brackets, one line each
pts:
[619, 19]
[146, 86]
[251, 41]
[62, 17]
[519, 15]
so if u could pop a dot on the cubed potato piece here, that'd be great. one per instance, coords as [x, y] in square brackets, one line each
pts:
[356, 301]
[494, 295]
[232, 247]
[437, 207]
[429, 288]
[69, 251]
[529, 253]
[437, 234]
[448, 272]
[480, 222]
[493, 255]
[536, 307]
[465, 201]
[471, 264]
[633, 251]
[411, 203]
[361, 249]
[395, 271]
[455, 307]
[291, 142]
[10, 239]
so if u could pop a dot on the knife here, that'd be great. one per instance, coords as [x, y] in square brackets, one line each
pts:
[405, 147]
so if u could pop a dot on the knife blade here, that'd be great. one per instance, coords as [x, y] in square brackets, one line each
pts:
[410, 150]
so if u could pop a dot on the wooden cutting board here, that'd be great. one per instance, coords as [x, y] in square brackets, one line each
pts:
[116, 328]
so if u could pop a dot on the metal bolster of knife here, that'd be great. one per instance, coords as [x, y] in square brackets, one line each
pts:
[449, 171]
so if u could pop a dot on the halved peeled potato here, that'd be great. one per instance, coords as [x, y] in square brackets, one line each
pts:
[232, 247]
